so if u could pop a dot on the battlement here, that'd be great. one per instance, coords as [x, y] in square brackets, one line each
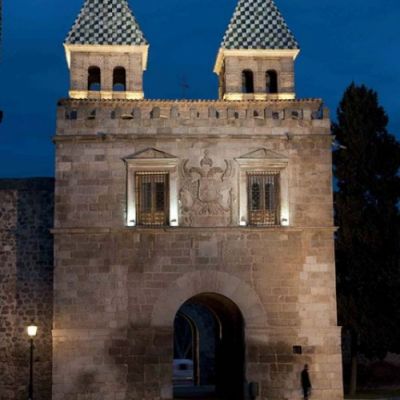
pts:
[144, 117]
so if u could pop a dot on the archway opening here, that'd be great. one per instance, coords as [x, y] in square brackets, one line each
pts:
[119, 79]
[94, 79]
[208, 349]
[247, 81]
[271, 77]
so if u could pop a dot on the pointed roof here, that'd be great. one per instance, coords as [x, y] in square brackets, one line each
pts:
[258, 24]
[106, 22]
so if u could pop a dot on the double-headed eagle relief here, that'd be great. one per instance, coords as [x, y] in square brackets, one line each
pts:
[205, 191]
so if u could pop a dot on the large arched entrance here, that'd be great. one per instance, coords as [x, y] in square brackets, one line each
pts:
[208, 349]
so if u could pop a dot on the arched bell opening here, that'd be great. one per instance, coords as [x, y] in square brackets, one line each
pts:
[247, 81]
[208, 349]
[119, 79]
[94, 79]
[271, 77]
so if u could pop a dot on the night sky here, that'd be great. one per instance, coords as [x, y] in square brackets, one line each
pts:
[341, 41]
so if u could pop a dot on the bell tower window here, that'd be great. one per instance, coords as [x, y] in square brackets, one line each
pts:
[247, 81]
[271, 77]
[94, 79]
[119, 79]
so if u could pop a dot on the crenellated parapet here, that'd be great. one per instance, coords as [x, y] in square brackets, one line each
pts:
[147, 117]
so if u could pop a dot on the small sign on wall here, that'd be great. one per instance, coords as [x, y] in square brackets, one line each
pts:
[297, 350]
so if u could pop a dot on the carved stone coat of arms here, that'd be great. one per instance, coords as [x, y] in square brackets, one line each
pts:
[206, 196]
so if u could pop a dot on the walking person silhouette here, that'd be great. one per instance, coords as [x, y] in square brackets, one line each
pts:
[305, 382]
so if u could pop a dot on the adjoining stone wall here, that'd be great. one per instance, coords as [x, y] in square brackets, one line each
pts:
[26, 285]
[8, 218]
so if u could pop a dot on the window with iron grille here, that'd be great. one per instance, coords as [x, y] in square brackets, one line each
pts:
[152, 189]
[263, 198]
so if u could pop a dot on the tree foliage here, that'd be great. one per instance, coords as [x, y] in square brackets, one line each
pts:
[366, 167]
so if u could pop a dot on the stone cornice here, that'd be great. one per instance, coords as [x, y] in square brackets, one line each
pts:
[172, 102]
[91, 138]
[143, 50]
[104, 94]
[259, 53]
[186, 230]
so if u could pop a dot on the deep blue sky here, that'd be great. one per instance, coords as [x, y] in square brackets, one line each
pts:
[341, 41]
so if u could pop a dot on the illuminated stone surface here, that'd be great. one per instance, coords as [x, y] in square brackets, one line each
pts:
[118, 286]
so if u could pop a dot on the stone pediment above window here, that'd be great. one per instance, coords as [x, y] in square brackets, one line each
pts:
[150, 152]
[262, 153]
[263, 158]
[151, 157]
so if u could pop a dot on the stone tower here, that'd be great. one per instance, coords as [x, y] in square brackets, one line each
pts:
[193, 239]
[256, 58]
[106, 52]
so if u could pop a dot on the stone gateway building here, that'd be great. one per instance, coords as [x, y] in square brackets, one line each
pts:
[194, 252]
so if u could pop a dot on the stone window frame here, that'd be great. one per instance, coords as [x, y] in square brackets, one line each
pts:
[169, 165]
[263, 165]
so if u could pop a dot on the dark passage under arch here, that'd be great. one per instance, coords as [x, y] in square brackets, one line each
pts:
[208, 349]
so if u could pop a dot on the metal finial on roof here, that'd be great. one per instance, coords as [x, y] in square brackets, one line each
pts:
[258, 24]
[106, 22]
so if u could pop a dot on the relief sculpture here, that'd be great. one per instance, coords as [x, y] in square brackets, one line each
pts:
[206, 192]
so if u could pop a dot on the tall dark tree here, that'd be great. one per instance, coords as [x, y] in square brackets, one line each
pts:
[366, 167]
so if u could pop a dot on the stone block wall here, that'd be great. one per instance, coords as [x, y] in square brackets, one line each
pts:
[118, 288]
[116, 325]
[81, 61]
[92, 176]
[26, 280]
[234, 66]
[127, 119]
[8, 216]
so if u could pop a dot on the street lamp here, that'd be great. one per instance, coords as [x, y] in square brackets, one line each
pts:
[32, 331]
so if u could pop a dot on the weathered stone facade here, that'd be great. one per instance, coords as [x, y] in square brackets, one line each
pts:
[231, 78]
[106, 61]
[26, 285]
[119, 282]
[118, 288]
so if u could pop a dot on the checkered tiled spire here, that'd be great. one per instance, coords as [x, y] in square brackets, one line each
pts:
[258, 24]
[106, 22]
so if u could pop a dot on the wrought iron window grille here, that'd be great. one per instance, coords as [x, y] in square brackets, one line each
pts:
[152, 194]
[263, 198]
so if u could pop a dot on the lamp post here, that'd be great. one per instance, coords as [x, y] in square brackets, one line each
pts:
[32, 331]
